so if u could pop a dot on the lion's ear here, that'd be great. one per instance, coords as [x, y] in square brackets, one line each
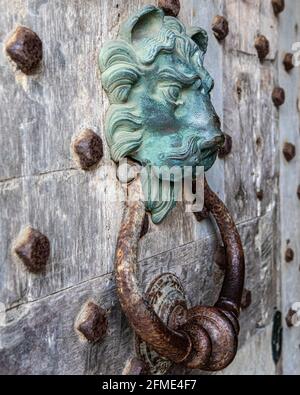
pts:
[199, 36]
[146, 23]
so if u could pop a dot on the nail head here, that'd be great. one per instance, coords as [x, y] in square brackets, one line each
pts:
[170, 7]
[92, 322]
[278, 6]
[278, 96]
[220, 27]
[227, 147]
[262, 46]
[25, 48]
[33, 249]
[289, 151]
[289, 255]
[288, 62]
[87, 149]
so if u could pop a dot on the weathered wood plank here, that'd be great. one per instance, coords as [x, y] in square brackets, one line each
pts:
[43, 329]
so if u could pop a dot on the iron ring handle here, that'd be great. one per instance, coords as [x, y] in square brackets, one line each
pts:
[208, 339]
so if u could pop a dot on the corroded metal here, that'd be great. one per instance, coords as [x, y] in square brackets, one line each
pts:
[293, 316]
[201, 337]
[289, 151]
[278, 6]
[262, 46]
[170, 7]
[167, 298]
[288, 62]
[226, 148]
[25, 48]
[278, 96]
[148, 326]
[92, 322]
[220, 27]
[289, 255]
[175, 127]
[87, 149]
[161, 113]
[33, 248]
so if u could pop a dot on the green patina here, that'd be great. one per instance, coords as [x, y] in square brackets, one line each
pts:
[159, 90]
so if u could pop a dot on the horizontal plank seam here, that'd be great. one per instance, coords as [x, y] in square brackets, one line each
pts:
[111, 273]
[24, 177]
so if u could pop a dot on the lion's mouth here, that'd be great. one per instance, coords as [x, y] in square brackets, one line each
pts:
[195, 147]
[206, 153]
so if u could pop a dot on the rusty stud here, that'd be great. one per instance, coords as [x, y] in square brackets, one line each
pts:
[220, 27]
[298, 192]
[227, 147]
[201, 215]
[33, 248]
[278, 6]
[278, 96]
[293, 317]
[262, 46]
[91, 322]
[260, 195]
[87, 149]
[246, 299]
[170, 7]
[145, 226]
[289, 255]
[288, 61]
[289, 151]
[220, 257]
[25, 48]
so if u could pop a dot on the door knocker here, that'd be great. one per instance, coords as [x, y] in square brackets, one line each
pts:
[161, 115]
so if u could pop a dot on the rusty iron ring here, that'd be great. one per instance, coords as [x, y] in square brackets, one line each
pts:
[208, 339]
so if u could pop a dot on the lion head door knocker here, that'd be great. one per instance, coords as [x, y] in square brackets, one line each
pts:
[161, 115]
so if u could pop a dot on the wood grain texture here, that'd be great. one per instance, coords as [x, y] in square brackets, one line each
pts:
[43, 330]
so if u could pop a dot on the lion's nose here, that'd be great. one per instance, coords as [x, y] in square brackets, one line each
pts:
[219, 140]
[216, 141]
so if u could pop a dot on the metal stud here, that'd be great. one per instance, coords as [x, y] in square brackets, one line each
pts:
[87, 149]
[227, 147]
[289, 255]
[33, 249]
[289, 151]
[220, 27]
[25, 48]
[262, 46]
[91, 322]
[278, 96]
[288, 62]
[278, 6]
[170, 7]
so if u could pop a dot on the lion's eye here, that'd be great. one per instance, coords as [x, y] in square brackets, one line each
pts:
[174, 92]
